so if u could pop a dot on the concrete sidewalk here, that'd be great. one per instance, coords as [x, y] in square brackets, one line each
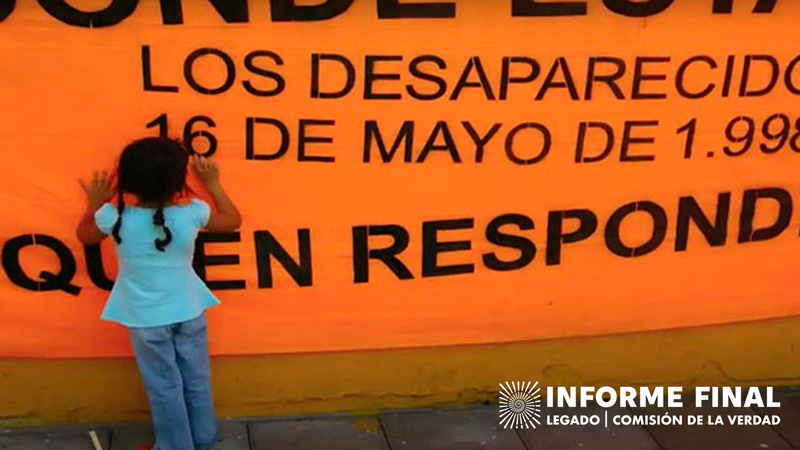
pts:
[466, 428]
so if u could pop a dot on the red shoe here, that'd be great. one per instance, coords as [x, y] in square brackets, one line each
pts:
[146, 447]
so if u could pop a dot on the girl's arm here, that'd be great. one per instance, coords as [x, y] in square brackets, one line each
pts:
[227, 217]
[97, 192]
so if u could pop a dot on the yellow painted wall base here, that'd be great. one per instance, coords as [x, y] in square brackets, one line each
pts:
[37, 392]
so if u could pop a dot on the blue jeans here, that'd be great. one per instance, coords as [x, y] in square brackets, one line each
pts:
[173, 361]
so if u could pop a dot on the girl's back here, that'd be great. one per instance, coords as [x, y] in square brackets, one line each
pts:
[139, 234]
[156, 287]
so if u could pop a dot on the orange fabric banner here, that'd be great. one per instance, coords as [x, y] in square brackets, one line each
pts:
[414, 173]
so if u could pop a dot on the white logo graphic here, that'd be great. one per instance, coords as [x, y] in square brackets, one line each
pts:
[519, 405]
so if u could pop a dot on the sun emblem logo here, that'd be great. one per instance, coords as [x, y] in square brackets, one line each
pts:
[519, 405]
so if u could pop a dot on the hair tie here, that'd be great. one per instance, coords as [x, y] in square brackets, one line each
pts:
[120, 209]
[158, 219]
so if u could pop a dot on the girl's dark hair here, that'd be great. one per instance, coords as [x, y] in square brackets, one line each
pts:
[154, 170]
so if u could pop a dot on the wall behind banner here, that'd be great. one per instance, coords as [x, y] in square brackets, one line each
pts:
[361, 383]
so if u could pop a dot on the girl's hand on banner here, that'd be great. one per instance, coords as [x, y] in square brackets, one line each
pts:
[99, 189]
[207, 170]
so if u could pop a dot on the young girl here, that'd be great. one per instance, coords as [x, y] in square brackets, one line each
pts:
[157, 294]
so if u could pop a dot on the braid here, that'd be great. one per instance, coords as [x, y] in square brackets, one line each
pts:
[120, 209]
[158, 219]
